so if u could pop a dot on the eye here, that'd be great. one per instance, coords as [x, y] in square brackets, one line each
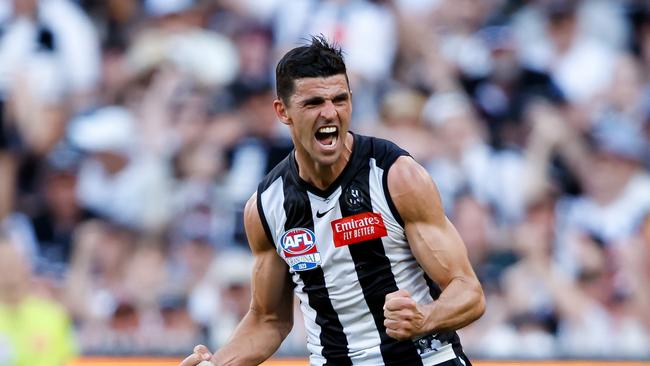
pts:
[340, 99]
[313, 102]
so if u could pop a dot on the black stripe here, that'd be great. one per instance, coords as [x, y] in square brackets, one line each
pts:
[375, 276]
[434, 289]
[389, 199]
[332, 338]
[385, 154]
[450, 337]
[260, 210]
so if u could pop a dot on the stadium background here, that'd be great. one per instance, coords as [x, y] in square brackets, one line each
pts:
[133, 131]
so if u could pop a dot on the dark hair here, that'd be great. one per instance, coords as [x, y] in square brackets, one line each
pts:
[318, 59]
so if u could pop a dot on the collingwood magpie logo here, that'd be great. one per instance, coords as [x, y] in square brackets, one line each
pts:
[353, 198]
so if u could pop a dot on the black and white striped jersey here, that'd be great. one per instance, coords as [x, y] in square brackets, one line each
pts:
[345, 249]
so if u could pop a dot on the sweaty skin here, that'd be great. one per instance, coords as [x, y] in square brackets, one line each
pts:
[315, 103]
[440, 251]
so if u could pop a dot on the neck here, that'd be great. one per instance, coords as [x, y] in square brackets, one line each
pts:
[322, 176]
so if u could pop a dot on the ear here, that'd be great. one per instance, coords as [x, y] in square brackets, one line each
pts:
[281, 112]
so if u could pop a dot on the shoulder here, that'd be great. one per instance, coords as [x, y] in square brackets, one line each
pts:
[406, 175]
[412, 190]
[383, 152]
[278, 171]
[380, 148]
[257, 233]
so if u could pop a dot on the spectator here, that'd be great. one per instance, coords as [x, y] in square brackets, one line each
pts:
[119, 180]
[57, 219]
[402, 121]
[617, 188]
[231, 272]
[34, 330]
[124, 168]
[53, 36]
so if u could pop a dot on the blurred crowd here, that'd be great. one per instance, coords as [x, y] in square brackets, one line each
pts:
[133, 131]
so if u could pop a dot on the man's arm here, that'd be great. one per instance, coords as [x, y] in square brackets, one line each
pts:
[440, 251]
[270, 317]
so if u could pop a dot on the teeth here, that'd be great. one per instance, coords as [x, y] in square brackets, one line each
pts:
[328, 129]
[334, 140]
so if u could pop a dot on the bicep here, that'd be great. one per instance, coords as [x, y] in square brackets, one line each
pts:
[433, 239]
[271, 286]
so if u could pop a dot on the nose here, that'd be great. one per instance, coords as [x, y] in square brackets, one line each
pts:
[328, 111]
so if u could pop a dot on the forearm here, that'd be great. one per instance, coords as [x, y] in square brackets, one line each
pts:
[461, 303]
[256, 339]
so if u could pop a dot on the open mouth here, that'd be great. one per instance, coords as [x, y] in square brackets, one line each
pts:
[327, 136]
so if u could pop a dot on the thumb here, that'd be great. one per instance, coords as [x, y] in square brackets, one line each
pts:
[203, 352]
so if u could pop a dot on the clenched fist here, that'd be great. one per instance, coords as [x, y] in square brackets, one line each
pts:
[200, 357]
[404, 318]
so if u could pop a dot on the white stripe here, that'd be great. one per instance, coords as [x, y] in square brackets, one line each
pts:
[342, 281]
[407, 272]
[445, 353]
[311, 327]
[273, 207]
[276, 217]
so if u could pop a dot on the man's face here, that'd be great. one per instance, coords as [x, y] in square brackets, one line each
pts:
[318, 114]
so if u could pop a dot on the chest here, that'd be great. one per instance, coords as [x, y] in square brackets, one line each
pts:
[322, 231]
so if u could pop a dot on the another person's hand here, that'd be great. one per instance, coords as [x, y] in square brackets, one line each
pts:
[201, 356]
[404, 317]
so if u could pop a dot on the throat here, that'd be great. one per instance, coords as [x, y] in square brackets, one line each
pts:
[319, 175]
[323, 179]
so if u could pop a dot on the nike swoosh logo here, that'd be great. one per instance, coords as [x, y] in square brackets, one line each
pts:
[319, 214]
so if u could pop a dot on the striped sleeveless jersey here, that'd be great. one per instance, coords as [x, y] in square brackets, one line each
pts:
[345, 249]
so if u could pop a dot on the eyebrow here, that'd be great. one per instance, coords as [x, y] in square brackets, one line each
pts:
[312, 101]
[341, 97]
[318, 100]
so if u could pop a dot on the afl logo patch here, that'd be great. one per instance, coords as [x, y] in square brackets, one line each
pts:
[298, 241]
[299, 248]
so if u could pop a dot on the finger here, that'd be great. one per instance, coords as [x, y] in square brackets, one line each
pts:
[191, 360]
[397, 334]
[203, 352]
[398, 293]
[392, 324]
[199, 348]
[400, 303]
[399, 326]
[401, 314]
